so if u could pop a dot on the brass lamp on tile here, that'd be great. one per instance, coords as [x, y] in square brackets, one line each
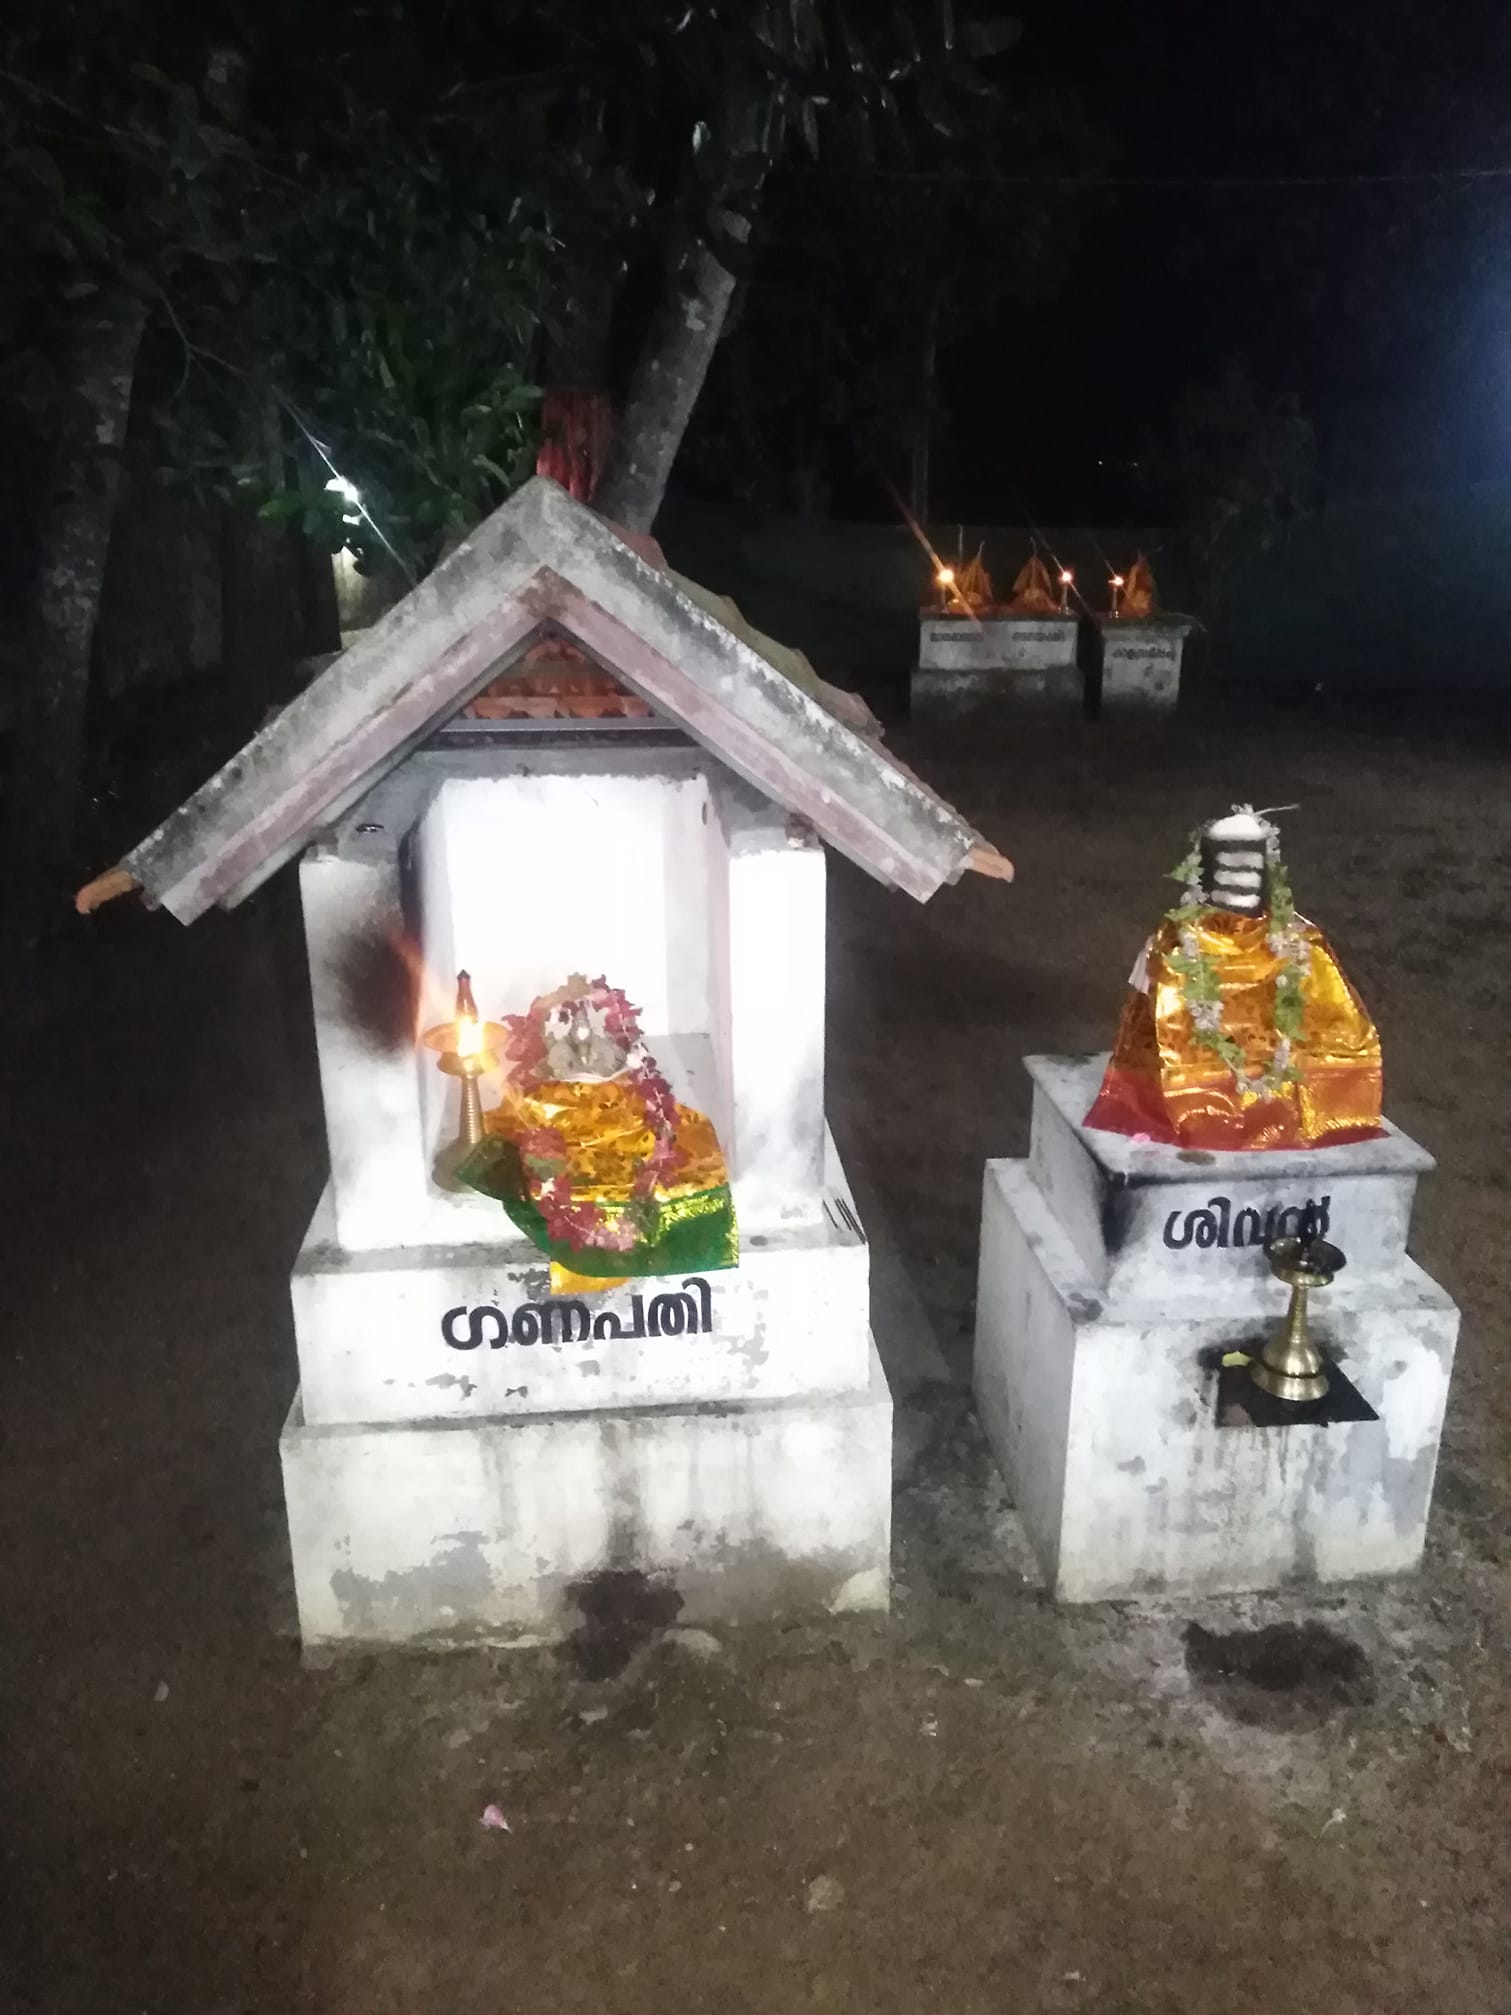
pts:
[1291, 1367]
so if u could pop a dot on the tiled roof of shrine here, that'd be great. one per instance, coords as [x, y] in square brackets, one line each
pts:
[545, 564]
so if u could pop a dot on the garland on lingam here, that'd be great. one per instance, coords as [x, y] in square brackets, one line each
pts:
[1201, 989]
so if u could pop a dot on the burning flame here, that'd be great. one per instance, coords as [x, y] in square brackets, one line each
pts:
[1117, 581]
[946, 577]
[469, 1027]
[1067, 578]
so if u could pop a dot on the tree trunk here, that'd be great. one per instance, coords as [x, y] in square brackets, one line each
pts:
[679, 345]
[73, 542]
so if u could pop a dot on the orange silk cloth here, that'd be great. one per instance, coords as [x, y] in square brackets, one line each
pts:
[1160, 1084]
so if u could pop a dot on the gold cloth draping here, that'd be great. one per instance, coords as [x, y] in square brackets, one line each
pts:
[607, 1141]
[1160, 1083]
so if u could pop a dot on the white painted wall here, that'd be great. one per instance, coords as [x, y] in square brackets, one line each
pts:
[538, 876]
[370, 1084]
[770, 1038]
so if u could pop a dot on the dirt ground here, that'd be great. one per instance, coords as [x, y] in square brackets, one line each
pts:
[979, 1804]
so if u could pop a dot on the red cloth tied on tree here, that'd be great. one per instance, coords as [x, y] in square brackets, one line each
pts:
[576, 433]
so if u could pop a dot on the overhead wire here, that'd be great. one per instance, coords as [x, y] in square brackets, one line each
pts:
[1388, 177]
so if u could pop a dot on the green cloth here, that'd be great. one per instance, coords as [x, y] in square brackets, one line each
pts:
[688, 1234]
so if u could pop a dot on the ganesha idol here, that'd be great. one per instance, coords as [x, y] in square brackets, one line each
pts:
[1240, 1029]
[591, 1155]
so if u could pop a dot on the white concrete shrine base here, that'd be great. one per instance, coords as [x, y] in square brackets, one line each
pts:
[965, 662]
[1141, 661]
[1105, 1423]
[492, 1530]
[446, 1332]
[1116, 1275]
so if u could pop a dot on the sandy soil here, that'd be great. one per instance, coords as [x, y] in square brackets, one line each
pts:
[980, 1804]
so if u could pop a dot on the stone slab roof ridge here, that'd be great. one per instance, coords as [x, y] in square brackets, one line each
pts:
[545, 563]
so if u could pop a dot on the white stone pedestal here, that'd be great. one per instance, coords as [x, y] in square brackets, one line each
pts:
[491, 1529]
[1141, 661]
[966, 660]
[1114, 1278]
[467, 1451]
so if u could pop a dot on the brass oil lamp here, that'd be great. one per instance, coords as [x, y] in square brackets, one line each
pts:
[1291, 1367]
[466, 1051]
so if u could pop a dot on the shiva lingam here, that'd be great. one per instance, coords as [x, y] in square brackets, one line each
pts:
[466, 1046]
[1291, 1367]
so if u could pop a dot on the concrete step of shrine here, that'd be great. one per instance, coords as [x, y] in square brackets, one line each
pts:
[500, 1530]
[465, 1332]
[1150, 1220]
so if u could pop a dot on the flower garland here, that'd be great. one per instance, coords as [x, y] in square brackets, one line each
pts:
[543, 1149]
[1201, 989]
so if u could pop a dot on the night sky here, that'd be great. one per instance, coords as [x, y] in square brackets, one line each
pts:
[1386, 307]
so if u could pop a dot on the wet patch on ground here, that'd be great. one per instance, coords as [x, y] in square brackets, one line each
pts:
[1283, 1676]
[622, 1610]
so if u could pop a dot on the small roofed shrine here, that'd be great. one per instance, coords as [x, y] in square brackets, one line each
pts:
[586, 1294]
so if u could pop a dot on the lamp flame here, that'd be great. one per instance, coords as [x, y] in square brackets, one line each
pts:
[946, 577]
[1067, 578]
[469, 1026]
